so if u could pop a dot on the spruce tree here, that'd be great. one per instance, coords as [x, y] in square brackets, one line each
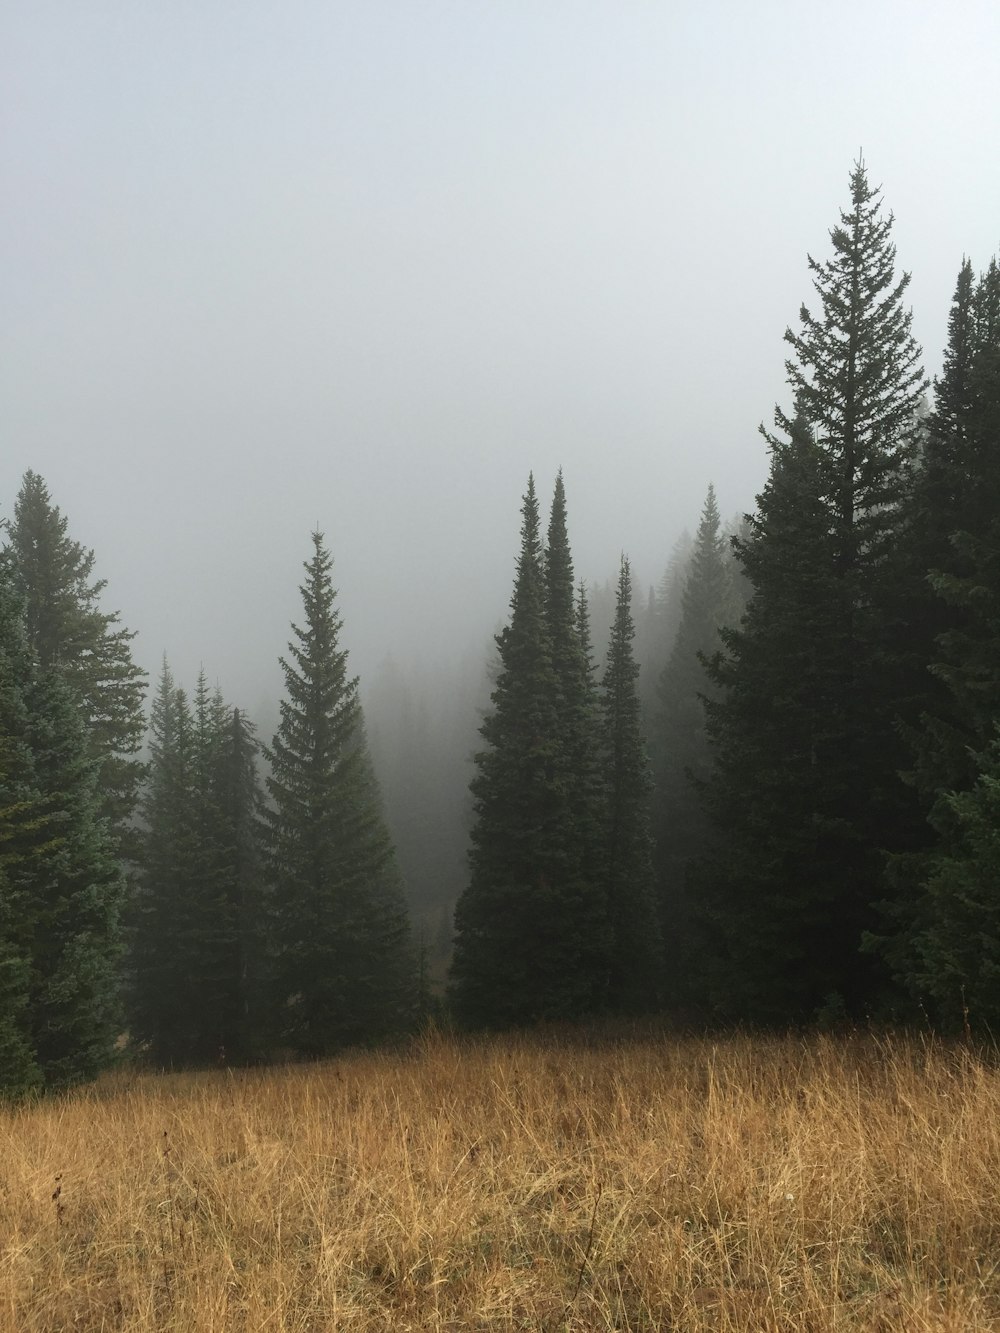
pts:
[60, 926]
[343, 966]
[77, 896]
[248, 912]
[680, 741]
[67, 631]
[531, 934]
[806, 792]
[166, 1015]
[635, 972]
[953, 540]
[577, 729]
[198, 930]
[22, 828]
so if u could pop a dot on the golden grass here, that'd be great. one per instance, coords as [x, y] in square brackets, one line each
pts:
[543, 1184]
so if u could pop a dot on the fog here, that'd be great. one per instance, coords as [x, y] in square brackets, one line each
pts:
[362, 266]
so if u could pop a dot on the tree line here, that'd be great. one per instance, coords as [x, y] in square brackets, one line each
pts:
[824, 728]
[787, 815]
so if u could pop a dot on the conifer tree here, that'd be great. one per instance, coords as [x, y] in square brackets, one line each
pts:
[247, 968]
[198, 952]
[343, 967]
[531, 934]
[635, 971]
[67, 630]
[680, 745]
[76, 894]
[953, 540]
[806, 792]
[577, 723]
[60, 931]
[166, 1015]
[22, 827]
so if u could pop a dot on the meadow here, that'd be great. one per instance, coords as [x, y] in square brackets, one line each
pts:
[558, 1182]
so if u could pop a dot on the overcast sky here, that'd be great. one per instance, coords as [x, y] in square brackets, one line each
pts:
[266, 266]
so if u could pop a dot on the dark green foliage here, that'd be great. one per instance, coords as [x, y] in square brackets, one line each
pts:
[343, 968]
[954, 614]
[680, 740]
[958, 955]
[165, 1010]
[806, 794]
[531, 936]
[628, 845]
[60, 931]
[22, 827]
[245, 972]
[76, 896]
[66, 630]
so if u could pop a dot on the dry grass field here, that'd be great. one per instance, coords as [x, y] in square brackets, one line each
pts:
[545, 1184]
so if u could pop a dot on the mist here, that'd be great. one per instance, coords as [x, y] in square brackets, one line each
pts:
[362, 267]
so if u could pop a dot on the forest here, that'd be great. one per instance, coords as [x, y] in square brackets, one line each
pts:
[766, 794]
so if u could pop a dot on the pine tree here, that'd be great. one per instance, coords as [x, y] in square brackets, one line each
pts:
[246, 971]
[166, 1016]
[77, 896]
[954, 533]
[343, 970]
[198, 951]
[681, 746]
[67, 630]
[578, 730]
[531, 938]
[628, 855]
[22, 827]
[957, 967]
[60, 929]
[806, 794]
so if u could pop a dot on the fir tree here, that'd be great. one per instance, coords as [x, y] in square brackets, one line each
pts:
[343, 970]
[246, 971]
[681, 746]
[806, 793]
[60, 930]
[67, 630]
[166, 1015]
[954, 533]
[628, 853]
[531, 937]
[22, 828]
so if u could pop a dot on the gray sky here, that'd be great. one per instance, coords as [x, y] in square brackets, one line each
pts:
[264, 266]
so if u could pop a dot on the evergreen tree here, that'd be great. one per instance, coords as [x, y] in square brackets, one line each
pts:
[22, 827]
[628, 855]
[954, 615]
[343, 970]
[531, 936]
[76, 895]
[60, 933]
[247, 969]
[165, 1011]
[577, 726]
[806, 793]
[957, 965]
[198, 951]
[681, 746]
[67, 631]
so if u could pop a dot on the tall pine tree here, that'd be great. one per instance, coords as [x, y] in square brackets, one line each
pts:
[680, 743]
[67, 630]
[804, 808]
[531, 935]
[635, 972]
[343, 966]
